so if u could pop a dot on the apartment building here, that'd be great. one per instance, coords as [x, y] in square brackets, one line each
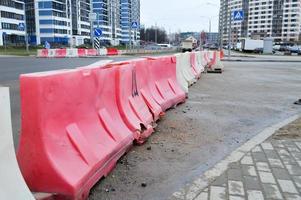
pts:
[108, 20]
[81, 25]
[68, 21]
[279, 19]
[130, 12]
[49, 21]
[11, 16]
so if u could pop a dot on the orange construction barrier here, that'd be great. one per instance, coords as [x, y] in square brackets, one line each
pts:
[72, 132]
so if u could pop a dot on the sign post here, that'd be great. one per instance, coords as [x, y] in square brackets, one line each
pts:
[92, 18]
[134, 25]
[238, 16]
[97, 34]
[4, 40]
[22, 27]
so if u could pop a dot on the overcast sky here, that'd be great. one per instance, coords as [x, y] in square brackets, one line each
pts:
[184, 15]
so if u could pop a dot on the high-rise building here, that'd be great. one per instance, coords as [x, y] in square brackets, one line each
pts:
[130, 13]
[108, 20]
[68, 21]
[81, 25]
[12, 15]
[49, 21]
[278, 19]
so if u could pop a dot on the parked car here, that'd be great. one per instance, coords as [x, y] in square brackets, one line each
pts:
[294, 49]
[258, 50]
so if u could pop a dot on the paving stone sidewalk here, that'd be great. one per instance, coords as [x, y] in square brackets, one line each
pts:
[271, 170]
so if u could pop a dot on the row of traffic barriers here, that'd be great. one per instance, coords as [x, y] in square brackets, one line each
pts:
[75, 53]
[77, 123]
[81, 52]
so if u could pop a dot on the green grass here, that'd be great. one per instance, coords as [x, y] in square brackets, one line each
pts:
[18, 51]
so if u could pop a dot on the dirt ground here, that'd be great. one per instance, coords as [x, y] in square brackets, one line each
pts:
[223, 111]
[291, 131]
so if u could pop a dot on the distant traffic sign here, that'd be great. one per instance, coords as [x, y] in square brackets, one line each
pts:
[92, 16]
[97, 32]
[21, 26]
[238, 15]
[134, 25]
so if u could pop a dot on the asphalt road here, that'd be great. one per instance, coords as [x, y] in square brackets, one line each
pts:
[223, 111]
[12, 67]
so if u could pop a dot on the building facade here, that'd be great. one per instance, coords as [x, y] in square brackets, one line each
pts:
[130, 13]
[49, 21]
[81, 25]
[11, 16]
[69, 22]
[277, 19]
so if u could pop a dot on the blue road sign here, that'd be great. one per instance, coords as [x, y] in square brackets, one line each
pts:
[4, 34]
[97, 32]
[135, 25]
[238, 15]
[47, 45]
[21, 26]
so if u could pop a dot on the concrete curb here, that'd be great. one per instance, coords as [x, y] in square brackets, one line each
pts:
[191, 191]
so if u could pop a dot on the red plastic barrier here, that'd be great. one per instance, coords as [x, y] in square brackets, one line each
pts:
[222, 54]
[193, 65]
[112, 51]
[213, 60]
[91, 52]
[60, 53]
[131, 105]
[81, 52]
[43, 53]
[163, 82]
[72, 132]
[144, 88]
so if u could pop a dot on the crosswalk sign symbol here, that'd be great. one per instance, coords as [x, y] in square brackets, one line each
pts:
[134, 25]
[238, 15]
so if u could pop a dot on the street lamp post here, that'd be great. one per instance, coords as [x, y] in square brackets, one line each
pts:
[229, 34]
[25, 29]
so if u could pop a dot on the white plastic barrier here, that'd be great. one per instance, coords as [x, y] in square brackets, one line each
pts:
[51, 53]
[187, 69]
[185, 75]
[12, 184]
[72, 53]
[198, 66]
[103, 52]
[200, 62]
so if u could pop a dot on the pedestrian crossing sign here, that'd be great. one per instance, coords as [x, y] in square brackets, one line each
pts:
[238, 15]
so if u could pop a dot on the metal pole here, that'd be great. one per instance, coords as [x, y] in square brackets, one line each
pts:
[25, 28]
[4, 41]
[156, 34]
[91, 24]
[209, 25]
[229, 35]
